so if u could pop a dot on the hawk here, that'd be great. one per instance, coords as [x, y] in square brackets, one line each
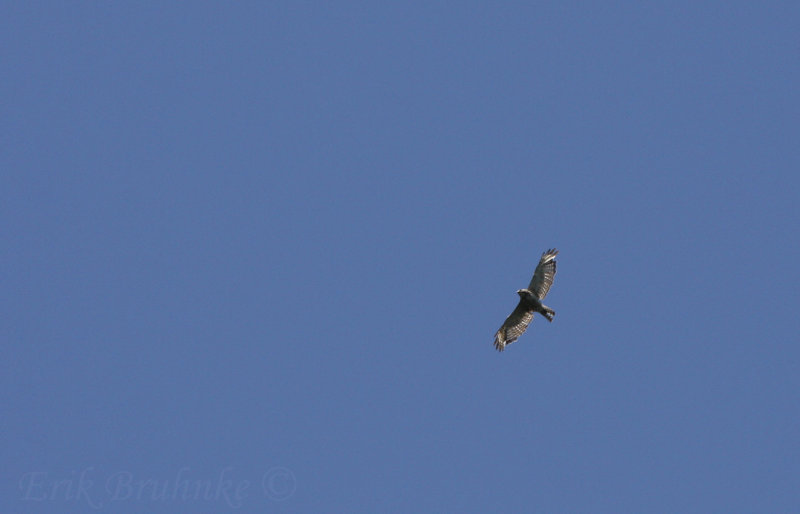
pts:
[530, 301]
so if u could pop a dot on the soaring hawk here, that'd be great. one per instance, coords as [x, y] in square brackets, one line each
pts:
[530, 301]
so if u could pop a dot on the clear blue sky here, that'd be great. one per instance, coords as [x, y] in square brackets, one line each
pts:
[263, 248]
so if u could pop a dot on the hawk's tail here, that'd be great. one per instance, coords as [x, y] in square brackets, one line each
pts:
[549, 313]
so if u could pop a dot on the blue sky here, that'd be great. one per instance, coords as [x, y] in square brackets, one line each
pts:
[260, 250]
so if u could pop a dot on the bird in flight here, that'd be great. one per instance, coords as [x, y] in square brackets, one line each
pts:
[530, 301]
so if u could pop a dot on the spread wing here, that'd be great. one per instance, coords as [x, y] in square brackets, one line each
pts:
[543, 276]
[513, 327]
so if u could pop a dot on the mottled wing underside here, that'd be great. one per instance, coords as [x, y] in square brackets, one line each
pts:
[543, 276]
[513, 327]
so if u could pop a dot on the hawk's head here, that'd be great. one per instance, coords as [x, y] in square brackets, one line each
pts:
[524, 293]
